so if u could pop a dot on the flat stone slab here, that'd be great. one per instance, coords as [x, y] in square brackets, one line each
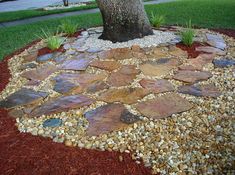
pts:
[63, 86]
[216, 41]
[177, 52]
[124, 95]
[79, 63]
[192, 76]
[117, 54]
[157, 86]
[200, 61]
[22, 97]
[208, 90]
[78, 82]
[61, 104]
[159, 67]
[53, 122]
[212, 50]
[96, 86]
[124, 76]
[106, 65]
[223, 63]
[44, 58]
[105, 119]
[28, 66]
[163, 106]
[40, 73]
[30, 57]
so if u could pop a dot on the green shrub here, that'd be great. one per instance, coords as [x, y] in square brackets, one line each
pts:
[53, 41]
[187, 35]
[68, 27]
[157, 20]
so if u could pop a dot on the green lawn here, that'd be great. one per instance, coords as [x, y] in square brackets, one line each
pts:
[203, 13]
[24, 14]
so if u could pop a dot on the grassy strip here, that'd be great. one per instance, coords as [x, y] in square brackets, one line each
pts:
[203, 13]
[24, 14]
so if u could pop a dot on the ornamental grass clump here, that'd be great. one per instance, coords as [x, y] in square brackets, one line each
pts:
[53, 41]
[68, 27]
[157, 20]
[187, 35]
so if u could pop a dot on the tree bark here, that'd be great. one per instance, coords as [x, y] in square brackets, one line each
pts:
[124, 20]
[66, 2]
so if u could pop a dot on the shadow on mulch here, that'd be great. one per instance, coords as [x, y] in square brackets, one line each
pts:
[22, 153]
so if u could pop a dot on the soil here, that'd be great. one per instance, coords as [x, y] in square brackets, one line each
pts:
[22, 153]
[46, 50]
[192, 53]
[229, 32]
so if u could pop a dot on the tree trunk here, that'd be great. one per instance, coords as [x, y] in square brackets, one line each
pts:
[124, 20]
[66, 2]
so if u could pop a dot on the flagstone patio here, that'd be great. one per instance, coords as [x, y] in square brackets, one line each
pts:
[133, 98]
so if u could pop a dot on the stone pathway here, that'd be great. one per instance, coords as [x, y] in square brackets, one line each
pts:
[149, 100]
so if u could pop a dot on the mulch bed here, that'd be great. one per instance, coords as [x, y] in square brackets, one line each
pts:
[22, 153]
[192, 53]
[46, 50]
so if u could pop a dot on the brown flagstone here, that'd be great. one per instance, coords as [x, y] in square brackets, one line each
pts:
[163, 106]
[30, 57]
[192, 76]
[157, 86]
[177, 52]
[40, 73]
[124, 76]
[117, 53]
[124, 95]
[60, 104]
[105, 119]
[78, 82]
[22, 97]
[159, 67]
[208, 90]
[106, 65]
[212, 50]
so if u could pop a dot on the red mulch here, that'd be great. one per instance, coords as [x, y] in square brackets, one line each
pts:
[192, 53]
[46, 50]
[229, 32]
[24, 154]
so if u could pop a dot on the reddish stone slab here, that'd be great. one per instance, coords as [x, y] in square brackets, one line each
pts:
[78, 63]
[124, 76]
[200, 61]
[61, 104]
[163, 106]
[22, 97]
[212, 50]
[105, 119]
[192, 76]
[96, 86]
[159, 67]
[125, 95]
[78, 82]
[30, 57]
[208, 90]
[106, 65]
[40, 73]
[157, 86]
[117, 53]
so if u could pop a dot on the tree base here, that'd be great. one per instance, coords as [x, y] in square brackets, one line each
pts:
[124, 36]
